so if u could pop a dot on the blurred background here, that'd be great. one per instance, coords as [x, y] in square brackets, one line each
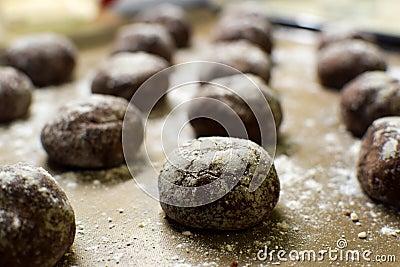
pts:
[90, 17]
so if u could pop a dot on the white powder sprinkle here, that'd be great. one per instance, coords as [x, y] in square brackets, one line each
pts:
[354, 217]
[362, 235]
[389, 149]
[186, 233]
[390, 231]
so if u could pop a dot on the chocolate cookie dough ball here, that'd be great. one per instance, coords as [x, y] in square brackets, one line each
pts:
[88, 134]
[48, 59]
[123, 74]
[218, 183]
[172, 17]
[241, 55]
[150, 38]
[253, 30]
[222, 107]
[378, 166]
[370, 96]
[15, 94]
[341, 62]
[37, 221]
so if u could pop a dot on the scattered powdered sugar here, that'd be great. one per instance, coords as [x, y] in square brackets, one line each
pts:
[386, 230]
[28, 173]
[80, 227]
[117, 257]
[186, 233]
[393, 123]
[344, 182]
[355, 148]
[389, 149]
[288, 172]
[16, 223]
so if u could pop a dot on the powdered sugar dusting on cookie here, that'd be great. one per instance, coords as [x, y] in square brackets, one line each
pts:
[389, 149]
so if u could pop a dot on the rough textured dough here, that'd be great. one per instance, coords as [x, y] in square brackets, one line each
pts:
[123, 73]
[378, 167]
[229, 162]
[343, 61]
[88, 134]
[370, 96]
[37, 222]
[48, 59]
[15, 94]
[236, 96]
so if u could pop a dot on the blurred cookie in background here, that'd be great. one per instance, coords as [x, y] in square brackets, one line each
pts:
[150, 38]
[240, 55]
[173, 17]
[48, 59]
[123, 73]
[340, 62]
[15, 94]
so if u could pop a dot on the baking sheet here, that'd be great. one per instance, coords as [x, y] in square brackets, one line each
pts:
[119, 225]
[371, 15]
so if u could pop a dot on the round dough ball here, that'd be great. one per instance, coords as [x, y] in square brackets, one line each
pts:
[88, 133]
[218, 110]
[15, 94]
[172, 17]
[378, 166]
[150, 38]
[341, 62]
[241, 55]
[37, 221]
[253, 30]
[123, 74]
[220, 171]
[370, 96]
[48, 59]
